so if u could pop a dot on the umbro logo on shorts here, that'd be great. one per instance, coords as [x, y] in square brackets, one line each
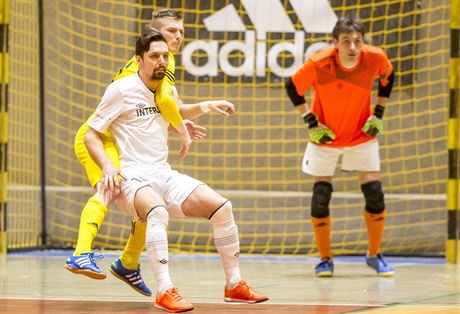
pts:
[164, 261]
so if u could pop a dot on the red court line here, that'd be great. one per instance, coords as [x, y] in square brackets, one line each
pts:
[16, 306]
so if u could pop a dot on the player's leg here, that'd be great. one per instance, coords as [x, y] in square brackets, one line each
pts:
[93, 213]
[321, 222]
[365, 159]
[374, 214]
[320, 162]
[151, 208]
[205, 202]
[127, 266]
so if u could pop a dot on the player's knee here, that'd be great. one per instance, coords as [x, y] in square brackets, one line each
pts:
[373, 194]
[322, 192]
[222, 214]
[158, 216]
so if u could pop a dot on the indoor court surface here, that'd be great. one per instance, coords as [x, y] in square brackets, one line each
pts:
[38, 283]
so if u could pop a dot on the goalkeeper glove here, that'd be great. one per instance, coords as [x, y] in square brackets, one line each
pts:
[319, 133]
[374, 124]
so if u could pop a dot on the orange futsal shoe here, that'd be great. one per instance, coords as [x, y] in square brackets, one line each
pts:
[172, 301]
[242, 292]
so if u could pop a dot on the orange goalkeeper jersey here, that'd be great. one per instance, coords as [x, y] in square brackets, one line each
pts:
[342, 99]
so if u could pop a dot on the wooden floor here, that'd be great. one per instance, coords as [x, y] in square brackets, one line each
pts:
[38, 283]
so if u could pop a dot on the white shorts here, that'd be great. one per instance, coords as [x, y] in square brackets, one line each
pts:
[321, 160]
[172, 186]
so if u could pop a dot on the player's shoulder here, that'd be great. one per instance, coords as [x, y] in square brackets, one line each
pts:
[126, 83]
[373, 51]
[323, 55]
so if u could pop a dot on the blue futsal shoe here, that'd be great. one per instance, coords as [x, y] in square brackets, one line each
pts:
[325, 268]
[85, 264]
[131, 277]
[381, 267]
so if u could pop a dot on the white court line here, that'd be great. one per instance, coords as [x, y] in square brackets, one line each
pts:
[247, 193]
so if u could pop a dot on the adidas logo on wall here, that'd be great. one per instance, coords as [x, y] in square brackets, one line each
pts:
[267, 16]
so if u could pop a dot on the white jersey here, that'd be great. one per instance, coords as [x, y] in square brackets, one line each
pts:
[128, 110]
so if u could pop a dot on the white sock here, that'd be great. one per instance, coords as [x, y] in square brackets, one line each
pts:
[156, 242]
[227, 242]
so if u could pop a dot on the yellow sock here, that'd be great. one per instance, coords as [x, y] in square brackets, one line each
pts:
[133, 249]
[91, 219]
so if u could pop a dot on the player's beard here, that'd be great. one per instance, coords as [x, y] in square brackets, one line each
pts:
[158, 76]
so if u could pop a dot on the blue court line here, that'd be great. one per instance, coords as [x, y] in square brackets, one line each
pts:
[248, 258]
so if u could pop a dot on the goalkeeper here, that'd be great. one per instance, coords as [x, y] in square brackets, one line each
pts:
[169, 22]
[342, 122]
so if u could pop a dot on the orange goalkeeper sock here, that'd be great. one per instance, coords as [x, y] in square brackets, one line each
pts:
[322, 229]
[91, 219]
[133, 249]
[375, 224]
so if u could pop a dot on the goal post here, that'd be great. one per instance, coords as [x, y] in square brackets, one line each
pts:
[453, 196]
[3, 123]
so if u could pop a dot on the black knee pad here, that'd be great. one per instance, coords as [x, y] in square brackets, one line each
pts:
[322, 192]
[374, 197]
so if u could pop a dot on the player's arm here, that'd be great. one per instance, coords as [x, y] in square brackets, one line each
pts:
[97, 152]
[196, 131]
[107, 111]
[374, 124]
[296, 86]
[222, 107]
[297, 100]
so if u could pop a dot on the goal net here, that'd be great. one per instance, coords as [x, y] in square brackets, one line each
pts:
[241, 51]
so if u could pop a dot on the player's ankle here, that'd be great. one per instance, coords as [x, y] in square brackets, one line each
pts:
[232, 282]
[163, 288]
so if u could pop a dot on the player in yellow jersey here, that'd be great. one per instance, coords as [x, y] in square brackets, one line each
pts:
[126, 268]
[173, 31]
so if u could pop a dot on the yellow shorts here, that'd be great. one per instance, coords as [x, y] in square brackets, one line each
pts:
[93, 171]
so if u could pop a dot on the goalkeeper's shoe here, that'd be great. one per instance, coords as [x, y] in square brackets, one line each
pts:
[131, 277]
[379, 265]
[325, 268]
[242, 292]
[85, 264]
[171, 301]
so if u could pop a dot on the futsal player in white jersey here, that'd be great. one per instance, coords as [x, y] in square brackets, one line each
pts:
[154, 191]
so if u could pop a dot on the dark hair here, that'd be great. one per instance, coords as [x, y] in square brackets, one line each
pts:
[148, 36]
[159, 14]
[347, 25]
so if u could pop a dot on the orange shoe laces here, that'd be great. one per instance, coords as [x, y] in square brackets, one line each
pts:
[174, 294]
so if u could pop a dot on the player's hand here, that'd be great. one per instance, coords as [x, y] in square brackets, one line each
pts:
[373, 126]
[222, 107]
[321, 134]
[197, 132]
[109, 179]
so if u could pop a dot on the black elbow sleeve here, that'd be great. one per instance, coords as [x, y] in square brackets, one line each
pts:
[385, 91]
[292, 93]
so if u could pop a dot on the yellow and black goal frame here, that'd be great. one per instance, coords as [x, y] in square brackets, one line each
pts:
[453, 191]
[3, 121]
